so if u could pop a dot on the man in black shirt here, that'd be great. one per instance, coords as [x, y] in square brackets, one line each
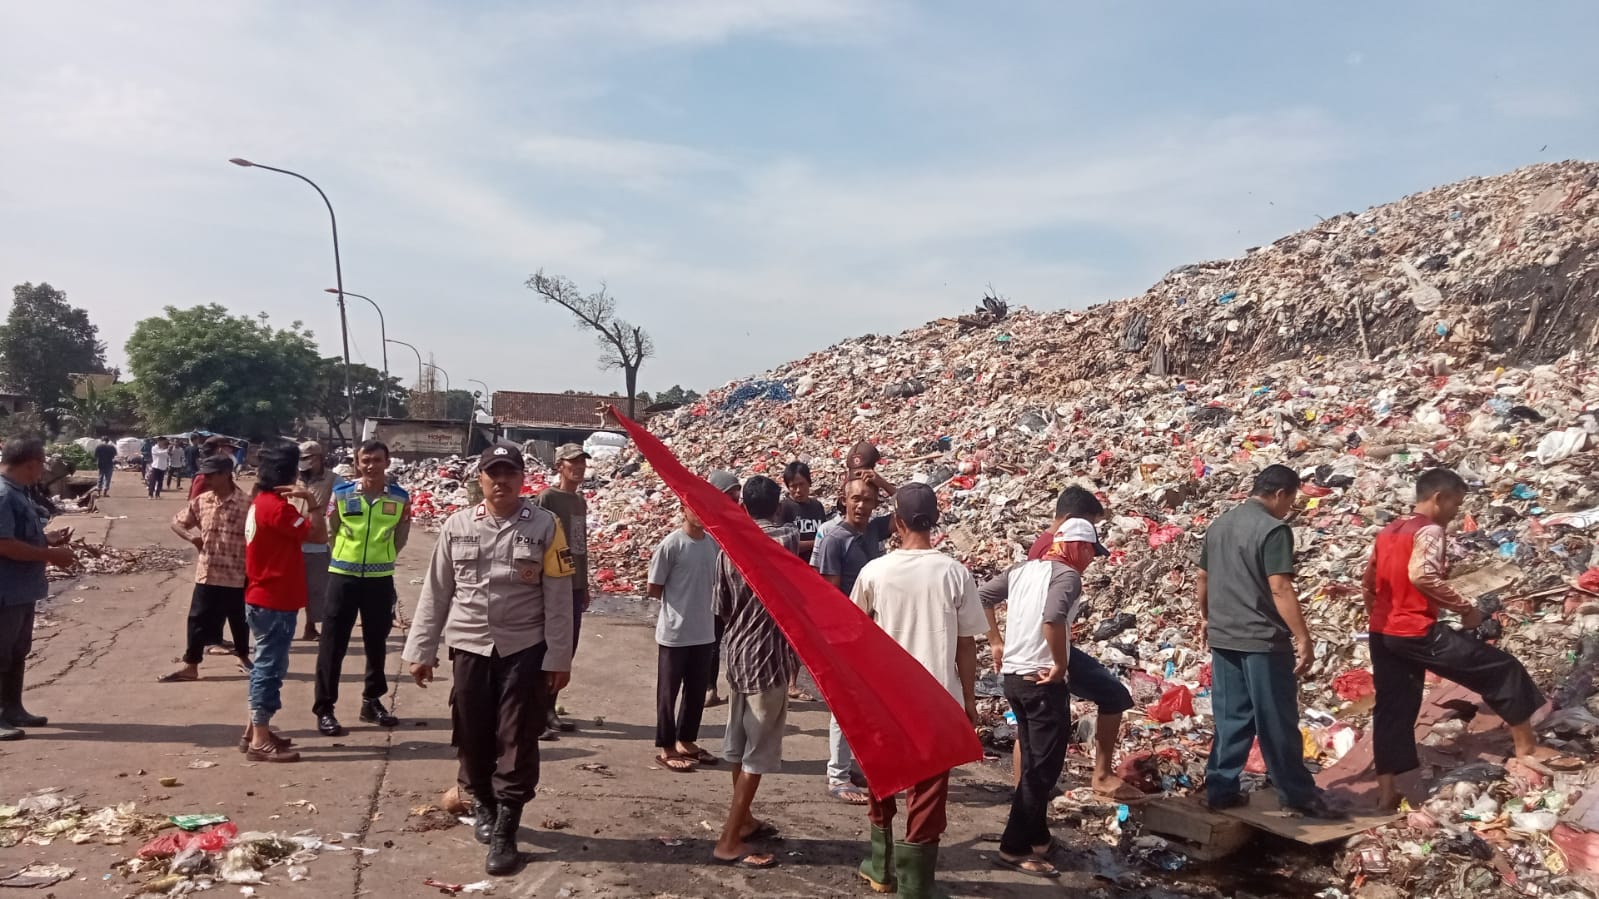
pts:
[105, 459]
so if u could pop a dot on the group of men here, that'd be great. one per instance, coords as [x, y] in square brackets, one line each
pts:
[503, 595]
[165, 463]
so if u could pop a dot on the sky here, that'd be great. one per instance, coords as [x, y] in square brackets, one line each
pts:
[751, 180]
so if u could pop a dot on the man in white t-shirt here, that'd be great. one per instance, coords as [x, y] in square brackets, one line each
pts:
[928, 603]
[160, 461]
[682, 575]
[1042, 598]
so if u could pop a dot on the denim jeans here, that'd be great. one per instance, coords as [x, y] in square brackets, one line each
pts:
[274, 632]
[1256, 694]
[105, 481]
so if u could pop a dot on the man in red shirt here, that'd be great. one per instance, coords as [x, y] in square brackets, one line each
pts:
[1405, 585]
[275, 591]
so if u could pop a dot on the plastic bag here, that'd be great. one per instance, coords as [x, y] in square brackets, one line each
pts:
[165, 846]
[1178, 700]
[1354, 684]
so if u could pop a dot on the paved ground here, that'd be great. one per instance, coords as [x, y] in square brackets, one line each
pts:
[630, 830]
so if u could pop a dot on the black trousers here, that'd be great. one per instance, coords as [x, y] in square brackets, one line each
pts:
[497, 709]
[1399, 667]
[716, 653]
[209, 607]
[373, 599]
[1044, 722]
[16, 641]
[685, 669]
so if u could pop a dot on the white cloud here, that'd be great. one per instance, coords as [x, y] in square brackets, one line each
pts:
[635, 163]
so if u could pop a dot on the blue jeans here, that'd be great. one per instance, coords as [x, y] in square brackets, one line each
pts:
[105, 481]
[1256, 694]
[273, 632]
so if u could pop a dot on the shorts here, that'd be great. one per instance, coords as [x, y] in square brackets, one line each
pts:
[1089, 679]
[755, 725]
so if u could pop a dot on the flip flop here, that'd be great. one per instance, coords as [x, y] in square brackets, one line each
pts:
[1040, 868]
[704, 757]
[801, 696]
[684, 764]
[747, 861]
[221, 649]
[177, 677]
[838, 791]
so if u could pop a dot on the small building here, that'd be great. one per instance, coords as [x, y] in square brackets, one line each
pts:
[12, 403]
[410, 439]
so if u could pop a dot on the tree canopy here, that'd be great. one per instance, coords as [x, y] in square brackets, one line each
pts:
[43, 342]
[366, 383]
[676, 394]
[205, 368]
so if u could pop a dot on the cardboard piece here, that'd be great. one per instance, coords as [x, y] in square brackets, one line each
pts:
[1265, 813]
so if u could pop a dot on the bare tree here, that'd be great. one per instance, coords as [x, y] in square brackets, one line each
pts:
[622, 345]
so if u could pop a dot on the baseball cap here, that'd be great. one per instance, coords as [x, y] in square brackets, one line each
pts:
[500, 452]
[1079, 530]
[863, 455]
[215, 465]
[723, 481]
[309, 450]
[917, 505]
[570, 451]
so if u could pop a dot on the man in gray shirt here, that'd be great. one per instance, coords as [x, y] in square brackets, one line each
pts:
[25, 550]
[499, 593]
[1259, 646]
[682, 572]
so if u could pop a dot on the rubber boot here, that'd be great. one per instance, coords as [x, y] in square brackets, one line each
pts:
[503, 855]
[11, 702]
[484, 815]
[878, 869]
[914, 864]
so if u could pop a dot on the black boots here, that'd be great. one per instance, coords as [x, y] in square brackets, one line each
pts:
[483, 816]
[11, 711]
[503, 856]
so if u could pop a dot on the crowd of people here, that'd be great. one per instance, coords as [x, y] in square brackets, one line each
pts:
[505, 591]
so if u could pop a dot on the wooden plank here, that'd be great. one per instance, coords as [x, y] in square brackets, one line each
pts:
[1265, 813]
[1199, 832]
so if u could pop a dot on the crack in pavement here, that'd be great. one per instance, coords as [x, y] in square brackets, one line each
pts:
[110, 644]
[382, 778]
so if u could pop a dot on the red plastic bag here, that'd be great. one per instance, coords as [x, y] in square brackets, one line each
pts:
[1257, 761]
[1175, 701]
[215, 839]
[1589, 580]
[1204, 676]
[166, 845]
[1356, 683]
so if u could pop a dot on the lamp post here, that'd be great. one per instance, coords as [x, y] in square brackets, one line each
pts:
[338, 275]
[383, 329]
[485, 390]
[388, 340]
[446, 381]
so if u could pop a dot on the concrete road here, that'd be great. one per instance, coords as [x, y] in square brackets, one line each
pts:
[629, 829]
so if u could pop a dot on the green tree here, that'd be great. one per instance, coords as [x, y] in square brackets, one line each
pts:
[43, 341]
[204, 368]
[459, 404]
[85, 416]
[676, 394]
[366, 383]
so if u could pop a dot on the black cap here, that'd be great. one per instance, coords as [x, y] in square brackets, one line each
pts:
[215, 465]
[501, 452]
[917, 505]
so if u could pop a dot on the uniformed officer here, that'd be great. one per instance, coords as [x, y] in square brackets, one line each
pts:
[499, 593]
[369, 522]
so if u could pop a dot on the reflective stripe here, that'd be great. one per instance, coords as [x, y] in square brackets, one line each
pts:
[338, 566]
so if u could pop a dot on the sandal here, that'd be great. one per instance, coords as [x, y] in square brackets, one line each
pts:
[220, 649]
[756, 862]
[1031, 865]
[1127, 794]
[842, 792]
[799, 695]
[676, 762]
[766, 830]
[177, 677]
[703, 757]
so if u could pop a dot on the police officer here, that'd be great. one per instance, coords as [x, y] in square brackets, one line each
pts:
[498, 593]
[369, 521]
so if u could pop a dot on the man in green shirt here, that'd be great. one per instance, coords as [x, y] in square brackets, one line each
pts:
[1259, 646]
[567, 502]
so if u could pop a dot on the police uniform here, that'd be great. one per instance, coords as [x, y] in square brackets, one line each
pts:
[498, 593]
[360, 583]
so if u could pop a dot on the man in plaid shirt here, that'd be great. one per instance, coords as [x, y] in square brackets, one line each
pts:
[214, 523]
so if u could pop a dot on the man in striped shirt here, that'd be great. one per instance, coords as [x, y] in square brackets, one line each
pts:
[760, 664]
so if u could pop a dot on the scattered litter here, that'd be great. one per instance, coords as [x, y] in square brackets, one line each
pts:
[37, 876]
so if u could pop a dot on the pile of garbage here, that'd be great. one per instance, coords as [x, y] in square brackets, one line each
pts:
[103, 558]
[176, 855]
[1454, 327]
[439, 487]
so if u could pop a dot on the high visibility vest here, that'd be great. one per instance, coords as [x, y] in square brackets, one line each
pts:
[364, 544]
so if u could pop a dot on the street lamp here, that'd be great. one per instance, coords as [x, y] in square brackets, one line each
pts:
[388, 340]
[485, 389]
[446, 381]
[338, 275]
[383, 401]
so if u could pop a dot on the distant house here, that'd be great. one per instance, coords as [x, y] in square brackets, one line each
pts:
[549, 419]
[12, 403]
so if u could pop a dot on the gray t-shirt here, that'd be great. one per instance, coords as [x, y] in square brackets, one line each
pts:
[1242, 549]
[685, 569]
[842, 551]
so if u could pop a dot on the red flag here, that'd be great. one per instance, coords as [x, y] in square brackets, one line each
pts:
[903, 726]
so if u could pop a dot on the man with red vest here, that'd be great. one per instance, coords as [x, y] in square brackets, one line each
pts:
[1405, 585]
